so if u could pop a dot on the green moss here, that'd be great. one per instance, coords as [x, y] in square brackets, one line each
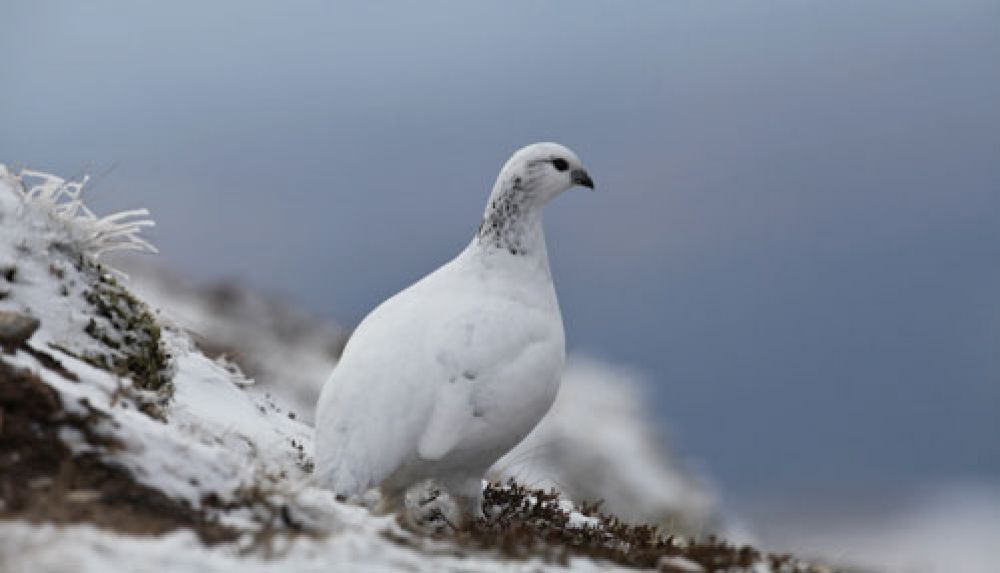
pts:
[130, 334]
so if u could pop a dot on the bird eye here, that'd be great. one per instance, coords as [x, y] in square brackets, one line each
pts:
[560, 164]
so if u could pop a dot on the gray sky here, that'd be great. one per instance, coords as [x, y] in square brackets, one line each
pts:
[797, 234]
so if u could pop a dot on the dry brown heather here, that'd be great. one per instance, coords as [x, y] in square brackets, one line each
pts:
[526, 523]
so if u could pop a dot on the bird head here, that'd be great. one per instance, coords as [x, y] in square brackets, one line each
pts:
[544, 170]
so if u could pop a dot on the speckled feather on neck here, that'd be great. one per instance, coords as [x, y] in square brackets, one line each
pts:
[512, 221]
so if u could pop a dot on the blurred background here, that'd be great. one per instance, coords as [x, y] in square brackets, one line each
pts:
[794, 250]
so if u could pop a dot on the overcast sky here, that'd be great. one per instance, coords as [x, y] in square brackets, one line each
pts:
[796, 236]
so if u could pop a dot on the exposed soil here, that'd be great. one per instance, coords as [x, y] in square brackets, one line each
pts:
[41, 480]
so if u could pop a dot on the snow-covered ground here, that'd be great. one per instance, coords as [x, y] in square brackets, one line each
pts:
[128, 394]
[952, 528]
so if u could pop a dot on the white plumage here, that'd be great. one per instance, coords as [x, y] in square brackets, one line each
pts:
[444, 378]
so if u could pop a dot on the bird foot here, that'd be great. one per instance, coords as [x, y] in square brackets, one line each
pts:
[430, 509]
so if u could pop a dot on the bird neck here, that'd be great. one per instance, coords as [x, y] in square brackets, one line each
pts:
[512, 223]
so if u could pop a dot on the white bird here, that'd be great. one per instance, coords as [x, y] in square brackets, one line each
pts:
[444, 378]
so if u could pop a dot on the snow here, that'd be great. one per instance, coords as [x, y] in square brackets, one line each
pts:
[945, 528]
[26, 548]
[680, 565]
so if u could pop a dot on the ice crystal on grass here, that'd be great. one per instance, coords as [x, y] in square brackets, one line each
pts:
[61, 201]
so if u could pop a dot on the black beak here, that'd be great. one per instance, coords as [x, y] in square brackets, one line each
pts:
[582, 178]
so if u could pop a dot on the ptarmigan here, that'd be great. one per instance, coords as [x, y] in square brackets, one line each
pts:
[444, 378]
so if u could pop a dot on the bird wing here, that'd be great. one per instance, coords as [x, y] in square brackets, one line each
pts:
[452, 412]
[480, 354]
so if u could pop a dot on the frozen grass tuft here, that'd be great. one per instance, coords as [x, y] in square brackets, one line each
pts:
[61, 200]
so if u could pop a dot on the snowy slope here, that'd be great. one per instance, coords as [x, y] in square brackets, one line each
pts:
[285, 350]
[110, 409]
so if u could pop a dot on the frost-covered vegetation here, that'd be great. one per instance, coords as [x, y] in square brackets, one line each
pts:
[125, 447]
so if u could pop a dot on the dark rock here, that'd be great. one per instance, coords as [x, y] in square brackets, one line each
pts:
[16, 329]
